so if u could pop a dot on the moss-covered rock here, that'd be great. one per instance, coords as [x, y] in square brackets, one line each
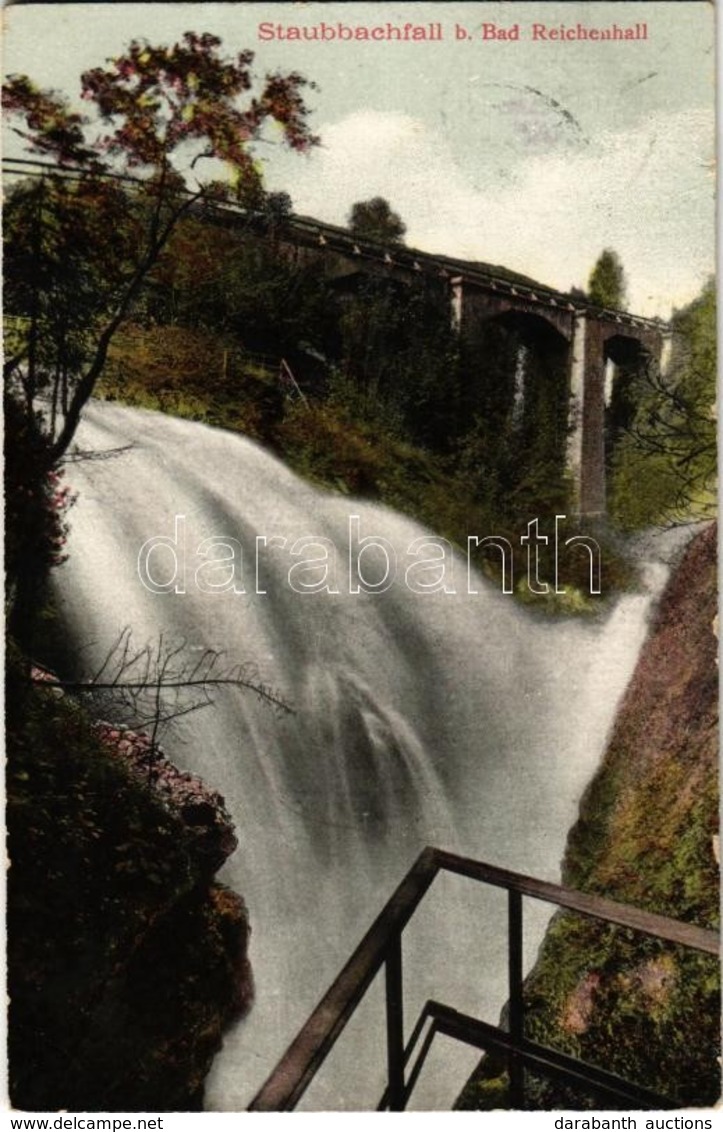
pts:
[125, 959]
[646, 836]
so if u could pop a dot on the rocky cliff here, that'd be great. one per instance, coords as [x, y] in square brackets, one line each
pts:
[646, 835]
[126, 959]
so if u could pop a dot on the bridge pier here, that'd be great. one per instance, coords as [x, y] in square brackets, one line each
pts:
[595, 343]
[577, 396]
[590, 479]
[481, 293]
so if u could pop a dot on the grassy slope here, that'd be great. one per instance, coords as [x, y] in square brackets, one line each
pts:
[335, 442]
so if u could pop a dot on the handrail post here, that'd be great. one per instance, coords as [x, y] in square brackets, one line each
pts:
[395, 1024]
[382, 946]
[516, 1004]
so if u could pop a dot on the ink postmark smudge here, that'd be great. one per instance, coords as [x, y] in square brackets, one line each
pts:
[541, 118]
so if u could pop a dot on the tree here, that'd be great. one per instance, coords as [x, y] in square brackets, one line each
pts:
[68, 251]
[665, 467]
[241, 287]
[398, 356]
[158, 111]
[84, 235]
[374, 220]
[278, 209]
[607, 286]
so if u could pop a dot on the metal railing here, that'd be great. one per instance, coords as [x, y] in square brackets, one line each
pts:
[382, 945]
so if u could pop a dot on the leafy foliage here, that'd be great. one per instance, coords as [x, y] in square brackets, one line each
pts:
[156, 100]
[158, 111]
[666, 465]
[68, 257]
[607, 286]
[83, 238]
[35, 507]
[240, 285]
[375, 219]
[400, 353]
[515, 402]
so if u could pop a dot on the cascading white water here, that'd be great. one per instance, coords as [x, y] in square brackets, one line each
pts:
[449, 719]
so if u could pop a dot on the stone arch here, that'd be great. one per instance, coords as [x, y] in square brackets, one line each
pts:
[625, 359]
[516, 367]
[630, 348]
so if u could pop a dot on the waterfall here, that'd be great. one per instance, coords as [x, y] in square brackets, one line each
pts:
[452, 719]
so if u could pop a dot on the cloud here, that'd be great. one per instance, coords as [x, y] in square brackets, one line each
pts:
[368, 154]
[645, 190]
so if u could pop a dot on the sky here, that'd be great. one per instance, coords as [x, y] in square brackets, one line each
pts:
[530, 154]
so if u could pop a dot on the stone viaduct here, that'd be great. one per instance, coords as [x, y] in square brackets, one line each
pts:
[591, 340]
[594, 341]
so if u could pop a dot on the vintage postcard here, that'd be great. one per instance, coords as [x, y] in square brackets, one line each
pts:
[360, 470]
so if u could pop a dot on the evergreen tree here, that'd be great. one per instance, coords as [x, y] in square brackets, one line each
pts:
[607, 286]
[375, 220]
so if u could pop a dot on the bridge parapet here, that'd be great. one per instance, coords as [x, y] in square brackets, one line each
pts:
[482, 292]
[476, 293]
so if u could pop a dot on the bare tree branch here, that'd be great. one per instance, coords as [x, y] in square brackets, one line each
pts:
[157, 684]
